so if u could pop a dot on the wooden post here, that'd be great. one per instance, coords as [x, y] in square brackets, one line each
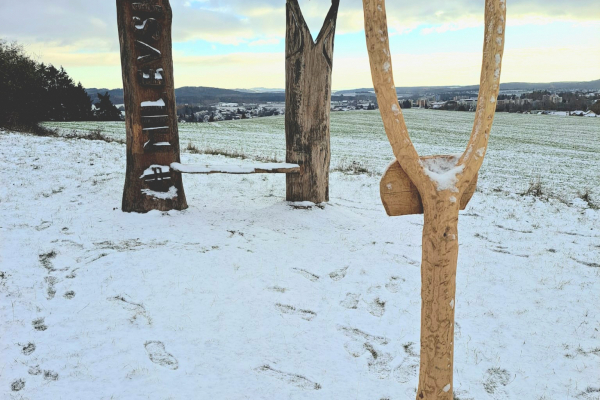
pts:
[442, 183]
[152, 135]
[308, 68]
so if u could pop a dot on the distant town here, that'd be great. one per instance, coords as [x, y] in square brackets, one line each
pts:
[565, 103]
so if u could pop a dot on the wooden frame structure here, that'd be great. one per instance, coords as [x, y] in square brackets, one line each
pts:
[153, 178]
[443, 185]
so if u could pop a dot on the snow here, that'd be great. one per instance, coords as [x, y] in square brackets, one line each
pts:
[148, 47]
[158, 103]
[170, 194]
[150, 171]
[230, 169]
[155, 128]
[244, 293]
[142, 25]
[443, 171]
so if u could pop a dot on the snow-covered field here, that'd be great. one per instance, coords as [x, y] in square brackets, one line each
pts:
[562, 152]
[244, 296]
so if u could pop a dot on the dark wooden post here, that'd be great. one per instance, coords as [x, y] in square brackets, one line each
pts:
[152, 135]
[308, 68]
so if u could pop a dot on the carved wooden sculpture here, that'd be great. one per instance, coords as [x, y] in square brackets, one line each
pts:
[442, 184]
[308, 68]
[152, 135]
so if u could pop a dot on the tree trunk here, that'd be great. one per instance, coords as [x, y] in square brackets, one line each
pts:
[308, 67]
[152, 134]
[438, 288]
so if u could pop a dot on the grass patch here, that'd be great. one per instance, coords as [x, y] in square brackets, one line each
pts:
[94, 134]
[241, 155]
[352, 168]
[587, 197]
[34, 129]
[536, 189]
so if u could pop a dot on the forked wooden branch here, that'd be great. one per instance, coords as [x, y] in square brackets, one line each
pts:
[393, 120]
[308, 70]
[442, 183]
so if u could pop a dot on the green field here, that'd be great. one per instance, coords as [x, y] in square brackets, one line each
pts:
[562, 152]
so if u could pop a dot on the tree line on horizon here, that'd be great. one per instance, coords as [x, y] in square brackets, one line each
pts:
[32, 92]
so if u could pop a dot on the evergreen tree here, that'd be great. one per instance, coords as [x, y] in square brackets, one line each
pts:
[105, 110]
[33, 92]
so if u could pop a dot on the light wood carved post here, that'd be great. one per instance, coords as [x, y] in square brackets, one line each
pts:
[437, 186]
[152, 134]
[308, 68]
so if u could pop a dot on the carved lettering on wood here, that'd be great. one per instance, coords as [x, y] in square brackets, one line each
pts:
[152, 134]
[148, 29]
[148, 7]
[151, 76]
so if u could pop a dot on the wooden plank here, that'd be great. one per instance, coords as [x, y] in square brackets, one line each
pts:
[401, 197]
[275, 168]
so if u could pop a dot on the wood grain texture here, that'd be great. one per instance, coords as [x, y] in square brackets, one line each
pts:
[308, 69]
[400, 196]
[152, 134]
[440, 208]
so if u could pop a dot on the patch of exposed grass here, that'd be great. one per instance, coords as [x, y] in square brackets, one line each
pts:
[94, 134]
[536, 189]
[34, 129]
[193, 149]
[586, 196]
[352, 168]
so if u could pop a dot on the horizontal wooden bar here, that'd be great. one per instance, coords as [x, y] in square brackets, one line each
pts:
[266, 168]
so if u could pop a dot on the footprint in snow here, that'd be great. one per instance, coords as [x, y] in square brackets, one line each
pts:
[293, 379]
[69, 295]
[338, 274]
[351, 301]
[44, 225]
[46, 260]
[376, 307]
[357, 334]
[35, 370]
[38, 324]
[308, 275]
[17, 385]
[495, 379]
[51, 290]
[28, 349]
[158, 355]
[407, 370]
[379, 362]
[304, 314]
[50, 375]
[393, 284]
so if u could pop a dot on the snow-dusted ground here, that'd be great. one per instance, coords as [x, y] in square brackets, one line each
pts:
[244, 296]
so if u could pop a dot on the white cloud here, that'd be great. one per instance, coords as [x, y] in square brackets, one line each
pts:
[82, 36]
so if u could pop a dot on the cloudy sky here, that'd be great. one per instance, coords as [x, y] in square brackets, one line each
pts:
[240, 43]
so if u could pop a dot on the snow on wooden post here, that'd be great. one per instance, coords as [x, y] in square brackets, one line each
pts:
[444, 184]
[308, 68]
[152, 135]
